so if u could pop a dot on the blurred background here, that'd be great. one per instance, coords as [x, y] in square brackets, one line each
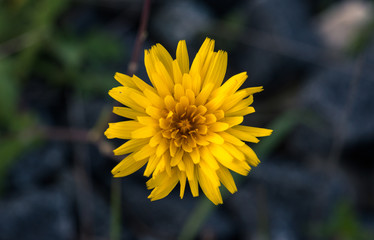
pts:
[315, 59]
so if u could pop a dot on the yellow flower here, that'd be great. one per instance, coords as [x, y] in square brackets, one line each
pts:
[185, 127]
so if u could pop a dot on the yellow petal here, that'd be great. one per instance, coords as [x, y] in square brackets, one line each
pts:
[221, 154]
[164, 75]
[144, 152]
[203, 96]
[190, 168]
[208, 158]
[195, 155]
[173, 148]
[187, 81]
[164, 57]
[130, 146]
[182, 181]
[241, 112]
[233, 121]
[153, 112]
[167, 185]
[253, 90]
[212, 192]
[240, 167]
[231, 85]
[162, 147]
[152, 163]
[121, 129]
[127, 112]
[210, 174]
[177, 72]
[194, 186]
[178, 91]
[144, 132]
[169, 103]
[227, 179]
[182, 57]
[242, 104]
[218, 127]
[125, 80]
[155, 140]
[219, 114]
[154, 98]
[177, 158]
[160, 168]
[121, 95]
[233, 100]
[149, 65]
[231, 139]
[147, 121]
[191, 96]
[215, 103]
[252, 158]
[234, 151]
[141, 85]
[159, 84]
[196, 84]
[166, 157]
[182, 166]
[258, 132]
[210, 118]
[217, 69]
[205, 49]
[214, 138]
[242, 135]
[127, 166]
[208, 61]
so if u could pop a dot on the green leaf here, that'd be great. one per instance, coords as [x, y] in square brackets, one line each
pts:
[8, 93]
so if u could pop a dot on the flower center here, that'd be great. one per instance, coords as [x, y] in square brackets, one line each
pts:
[184, 126]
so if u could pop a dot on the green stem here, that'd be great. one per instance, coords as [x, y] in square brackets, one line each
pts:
[115, 226]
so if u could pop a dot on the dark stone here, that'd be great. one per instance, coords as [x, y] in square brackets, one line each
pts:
[277, 195]
[278, 45]
[328, 92]
[153, 219]
[37, 215]
[221, 7]
[180, 20]
[40, 167]
[311, 142]
[219, 225]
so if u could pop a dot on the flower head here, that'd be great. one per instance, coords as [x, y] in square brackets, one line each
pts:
[186, 127]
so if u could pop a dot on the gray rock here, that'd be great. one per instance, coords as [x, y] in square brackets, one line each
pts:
[37, 215]
[328, 92]
[37, 168]
[153, 219]
[180, 20]
[279, 39]
[219, 225]
[277, 195]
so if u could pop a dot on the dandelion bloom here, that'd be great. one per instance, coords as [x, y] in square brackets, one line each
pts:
[186, 127]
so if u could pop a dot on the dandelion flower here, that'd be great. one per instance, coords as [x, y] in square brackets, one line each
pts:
[186, 126]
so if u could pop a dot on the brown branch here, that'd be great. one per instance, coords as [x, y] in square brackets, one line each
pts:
[79, 136]
[140, 38]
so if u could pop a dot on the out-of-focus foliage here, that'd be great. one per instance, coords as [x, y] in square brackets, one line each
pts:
[343, 224]
[34, 44]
